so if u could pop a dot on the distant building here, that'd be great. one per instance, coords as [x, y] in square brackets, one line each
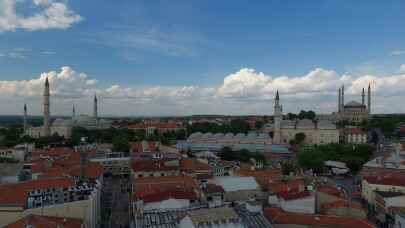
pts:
[353, 135]
[152, 128]
[354, 111]
[321, 132]
[63, 127]
[253, 142]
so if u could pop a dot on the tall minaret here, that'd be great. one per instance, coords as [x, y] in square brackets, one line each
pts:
[369, 99]
[73, 112]
[278, 117]
[343, 98]
[46, 127]
[95, 109]
[25, 118]
[340, 100]
[363, 95]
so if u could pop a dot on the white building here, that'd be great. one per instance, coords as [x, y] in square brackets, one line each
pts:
[63, 127]
[212, 218]
[321, 132]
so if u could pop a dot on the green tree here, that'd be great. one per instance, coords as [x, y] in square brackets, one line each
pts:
[120, 144]
[299, 138]
[287, 168]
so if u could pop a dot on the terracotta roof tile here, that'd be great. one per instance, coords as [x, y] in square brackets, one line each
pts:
[38, 221]
[277, 216]
[16, 194]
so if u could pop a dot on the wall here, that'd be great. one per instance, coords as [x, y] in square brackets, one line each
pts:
[167, 204]
[304, 205]
[368, 190]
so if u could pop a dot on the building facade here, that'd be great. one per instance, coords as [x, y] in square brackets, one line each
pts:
[354, 111]
[321, 132]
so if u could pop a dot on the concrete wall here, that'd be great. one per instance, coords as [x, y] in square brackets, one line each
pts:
[304, 205]
[167, 204]
[368, 190]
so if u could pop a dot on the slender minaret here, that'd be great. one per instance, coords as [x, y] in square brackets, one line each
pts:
[73, 112]
[47, 130]
[363, 95]
[369, 99]
[95, 109]
[25, 118]
[278, 117]
[340, 100]
[343, 97]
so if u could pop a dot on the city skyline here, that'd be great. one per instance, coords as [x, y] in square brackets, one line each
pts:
[170, 59]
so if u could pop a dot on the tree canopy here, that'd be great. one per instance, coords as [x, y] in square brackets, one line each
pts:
[311, 157]
[235, 126]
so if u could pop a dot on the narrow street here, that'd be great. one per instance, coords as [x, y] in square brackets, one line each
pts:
[116, 202]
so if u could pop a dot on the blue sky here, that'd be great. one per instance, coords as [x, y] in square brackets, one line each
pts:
[198, 43]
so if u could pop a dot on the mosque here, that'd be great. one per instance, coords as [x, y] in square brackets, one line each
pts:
[316, 132]
[354, 111]
[63, 127]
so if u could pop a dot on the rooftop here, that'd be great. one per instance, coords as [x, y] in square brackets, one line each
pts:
[277, 216]
[38, 221]
[234, 183]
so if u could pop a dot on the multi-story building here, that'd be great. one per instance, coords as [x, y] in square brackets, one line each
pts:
[353, 135]
[59, 197]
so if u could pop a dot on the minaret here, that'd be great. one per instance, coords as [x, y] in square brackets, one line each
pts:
[340, 100]
[278, 117]
[25, 118]
[343, 98]
[46, 127]
[369, 100]
[363, 98]
[73, 112]
[95, 109]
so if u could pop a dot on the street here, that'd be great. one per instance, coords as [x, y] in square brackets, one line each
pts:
[116, 202]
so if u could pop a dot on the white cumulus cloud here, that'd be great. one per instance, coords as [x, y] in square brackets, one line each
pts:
[49, 14]
[246, 91]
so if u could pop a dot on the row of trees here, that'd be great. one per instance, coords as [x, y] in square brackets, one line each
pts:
[235, 126]
[302, 115]
[243, 155]
[313, 157]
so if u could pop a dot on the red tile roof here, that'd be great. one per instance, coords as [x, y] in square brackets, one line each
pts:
[92, 170]
[152, 166]
[148, 185]
[38, 221]
[16, 194]
[277, 216]
[293, 195]
[213, 188]
[263, 177]
[137, 147]
[341, 203]
[165, 195]
[330, 191]
[193, 165]
[393, 178]
[285, 186]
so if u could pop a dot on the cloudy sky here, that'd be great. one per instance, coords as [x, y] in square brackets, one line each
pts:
[200, 57]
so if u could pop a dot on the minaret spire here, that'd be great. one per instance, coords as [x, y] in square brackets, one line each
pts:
[363, 97]
[278, 117]
[369, 99]
[95, 109]
[25, 118]
[73, 112]
[340, 100]
[46, 127]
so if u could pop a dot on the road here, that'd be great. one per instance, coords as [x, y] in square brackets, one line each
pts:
[116, 202]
